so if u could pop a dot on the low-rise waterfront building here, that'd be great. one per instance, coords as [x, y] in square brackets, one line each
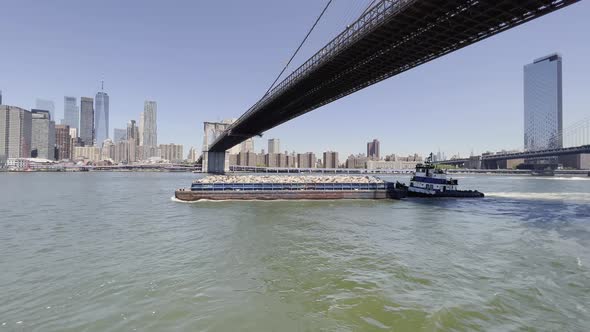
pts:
[395, 162]
[358, 161]
[577, 161]
[17, 163]
[29, 163]
[92, 153]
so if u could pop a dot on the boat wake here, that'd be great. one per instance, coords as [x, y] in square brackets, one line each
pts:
[562, 178]
[174, 199]
[576, 197]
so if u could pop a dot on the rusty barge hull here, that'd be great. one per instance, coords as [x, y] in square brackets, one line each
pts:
[188, 195]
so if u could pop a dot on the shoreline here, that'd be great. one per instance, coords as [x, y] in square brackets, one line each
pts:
[318, 172]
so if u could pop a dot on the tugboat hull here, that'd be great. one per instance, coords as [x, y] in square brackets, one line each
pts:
[456, 194]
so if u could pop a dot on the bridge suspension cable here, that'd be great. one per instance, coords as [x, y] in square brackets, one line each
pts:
[576, 134]
[299, 47]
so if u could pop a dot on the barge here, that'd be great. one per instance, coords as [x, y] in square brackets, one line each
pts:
[290, 188]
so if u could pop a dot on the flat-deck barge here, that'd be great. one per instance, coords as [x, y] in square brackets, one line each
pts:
[289, 188]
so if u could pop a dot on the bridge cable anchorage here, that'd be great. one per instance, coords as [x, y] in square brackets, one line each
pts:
[298, 48]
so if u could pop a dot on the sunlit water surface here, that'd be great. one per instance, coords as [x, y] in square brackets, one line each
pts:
[114, 252]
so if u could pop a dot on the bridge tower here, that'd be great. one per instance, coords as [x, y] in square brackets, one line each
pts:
[214, 162]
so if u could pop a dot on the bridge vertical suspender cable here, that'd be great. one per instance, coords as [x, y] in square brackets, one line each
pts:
[298, 48]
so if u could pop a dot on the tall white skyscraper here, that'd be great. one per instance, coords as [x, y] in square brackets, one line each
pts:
[149, 129]
[101, 116]
[543, 104]
[247, 145]
[274, 145]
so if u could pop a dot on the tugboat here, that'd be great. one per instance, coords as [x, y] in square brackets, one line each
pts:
[429, 181]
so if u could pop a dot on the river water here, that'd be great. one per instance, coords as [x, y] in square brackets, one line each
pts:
[115, 252]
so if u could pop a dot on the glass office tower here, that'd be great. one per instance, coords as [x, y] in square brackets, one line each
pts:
[543, 104]
[101, 117]
[71, 112]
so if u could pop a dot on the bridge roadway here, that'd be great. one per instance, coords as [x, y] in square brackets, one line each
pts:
[522, 155]
[390, 38]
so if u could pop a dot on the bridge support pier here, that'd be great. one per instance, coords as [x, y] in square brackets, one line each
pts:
[215, 162]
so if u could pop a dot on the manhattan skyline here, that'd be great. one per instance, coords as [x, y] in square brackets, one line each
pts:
[194, 76]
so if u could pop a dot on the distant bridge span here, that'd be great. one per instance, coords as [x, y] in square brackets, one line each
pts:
[390, 38]
[519, 155]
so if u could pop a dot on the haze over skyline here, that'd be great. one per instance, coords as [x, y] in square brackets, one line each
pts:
[212, 61]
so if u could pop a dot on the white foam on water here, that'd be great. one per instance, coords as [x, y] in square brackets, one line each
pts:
[563, 178]
[174, 199]
[578, 197]
[579, 261]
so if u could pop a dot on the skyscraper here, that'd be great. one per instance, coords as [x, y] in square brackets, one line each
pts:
[119, 135]
[15, 132]
[192, 155]
[330, 159]
[63, 142]
[43, 135]
[543, 104]
[133, 142]
[149, 129]
[274, 145]
[133, 132]
[171, 152]
[306, 160]
[86, 131]
[247, 145]
[71, 112]
[101, 116]
[47, 105]
[0, 97]
[373, 150]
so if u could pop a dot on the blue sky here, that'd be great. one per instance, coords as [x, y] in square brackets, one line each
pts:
[211, 60]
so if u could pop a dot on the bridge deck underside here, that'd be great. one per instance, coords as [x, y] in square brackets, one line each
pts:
[417, 33]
